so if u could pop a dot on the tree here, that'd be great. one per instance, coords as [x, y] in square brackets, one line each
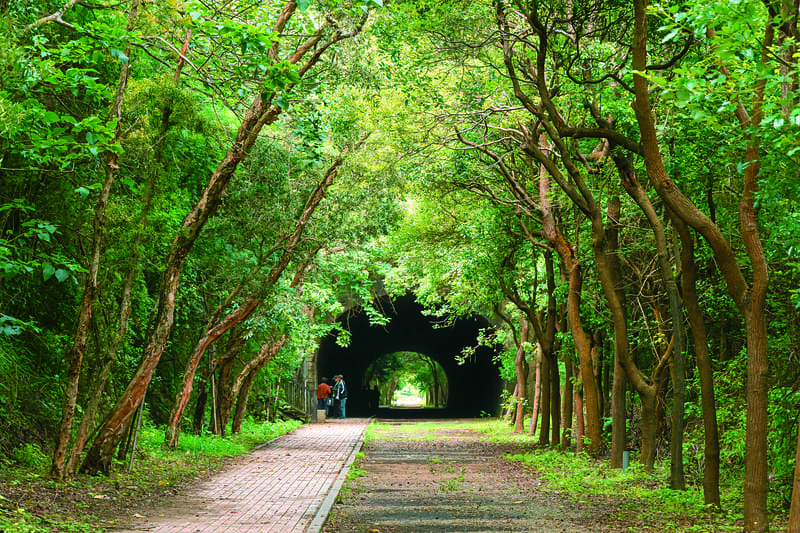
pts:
[90, 282]
[750, 298]
[264, 110]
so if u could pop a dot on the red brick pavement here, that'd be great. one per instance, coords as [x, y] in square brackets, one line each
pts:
[286, 486]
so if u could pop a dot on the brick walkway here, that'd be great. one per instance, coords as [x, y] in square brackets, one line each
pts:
[287, 486]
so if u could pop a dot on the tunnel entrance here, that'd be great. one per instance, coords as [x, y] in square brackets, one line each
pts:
[474, 384]
[406, 380]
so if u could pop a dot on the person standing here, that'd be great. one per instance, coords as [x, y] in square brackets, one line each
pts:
[340, 395]
[323, 393]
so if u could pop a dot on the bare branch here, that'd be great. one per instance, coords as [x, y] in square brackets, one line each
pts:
[55, 17]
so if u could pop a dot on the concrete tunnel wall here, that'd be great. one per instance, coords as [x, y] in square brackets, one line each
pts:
[474, 386]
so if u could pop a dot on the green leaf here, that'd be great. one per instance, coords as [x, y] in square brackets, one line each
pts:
[62, 275]
[302, 5]
[281, 102]
[119, 55]
[50, 117]
[49, 270]
[671, 35]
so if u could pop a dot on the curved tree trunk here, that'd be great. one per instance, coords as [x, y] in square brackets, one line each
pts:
[583, 347]
[631, 183]
[750, 301]
[244, 311]
[711, 494]
[241, 403]
[78, 349]
[224, 386]
[260, 113]
[212, 334]
[265, 354]
[133, 267]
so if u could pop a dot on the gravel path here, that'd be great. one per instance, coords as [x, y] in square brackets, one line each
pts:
[448, 480]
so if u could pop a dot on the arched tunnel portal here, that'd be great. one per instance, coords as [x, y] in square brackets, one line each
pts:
[474, 385]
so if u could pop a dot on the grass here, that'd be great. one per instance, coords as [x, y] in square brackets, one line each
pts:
[43, 505]
[451, 484]
[640, 497]
[421, 432]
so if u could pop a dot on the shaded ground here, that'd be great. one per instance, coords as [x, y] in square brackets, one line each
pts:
[450, 481]
[104, 502]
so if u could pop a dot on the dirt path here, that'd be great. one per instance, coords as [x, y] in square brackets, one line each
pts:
[448, 480]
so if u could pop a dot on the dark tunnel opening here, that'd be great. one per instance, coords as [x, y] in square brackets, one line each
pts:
[474, 385]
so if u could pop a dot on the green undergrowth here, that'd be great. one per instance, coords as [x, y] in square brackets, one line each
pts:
[643, 500]
[32, 503]
[252, 434]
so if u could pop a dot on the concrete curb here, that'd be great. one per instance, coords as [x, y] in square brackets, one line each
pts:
[322, 513]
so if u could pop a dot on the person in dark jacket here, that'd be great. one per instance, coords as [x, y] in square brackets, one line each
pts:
[339, 396]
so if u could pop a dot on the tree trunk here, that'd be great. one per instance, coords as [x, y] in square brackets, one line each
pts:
[708, 401]
[631, 183]
[125, 310]
[241, 405]
[649, 429]
[572, 266]
[608, 386]
[391, 387]
[265, 354]
[567, 406]
[579, 422]
[619, 413]
[212, 334]
[537, 389]
[599, 375]
[583, 347]
[260, 113]
[90, 283]
[224, 385]
[544, 402]
[244, 311]
[241, 402]
[519, 367]
[555, 402]
[511, 406]
[751, 300]
[200, 408]
[794, 511]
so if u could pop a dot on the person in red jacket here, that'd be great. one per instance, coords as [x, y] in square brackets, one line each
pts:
[323, 393]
